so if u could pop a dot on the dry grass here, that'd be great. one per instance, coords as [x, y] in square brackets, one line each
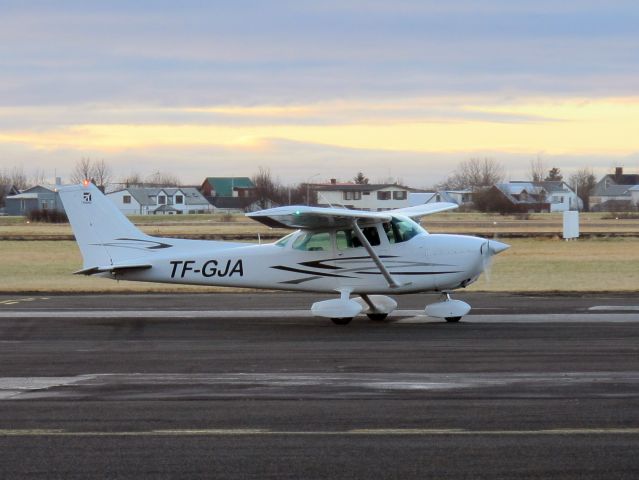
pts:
[529, 265]
[477, 223]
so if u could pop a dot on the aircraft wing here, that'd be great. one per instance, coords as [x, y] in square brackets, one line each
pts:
[310, 218]
[419, 211]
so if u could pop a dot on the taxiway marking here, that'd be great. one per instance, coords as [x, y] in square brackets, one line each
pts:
[613, 308]
[397, 317]
[226, 432]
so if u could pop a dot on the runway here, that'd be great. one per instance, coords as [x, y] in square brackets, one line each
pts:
[251, 386]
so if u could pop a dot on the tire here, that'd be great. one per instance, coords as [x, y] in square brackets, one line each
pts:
[453, 319]
[377, 317]
[342, 321]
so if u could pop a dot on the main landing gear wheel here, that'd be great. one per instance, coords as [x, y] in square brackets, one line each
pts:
[341, 321]
[453, 319]
[377, 317]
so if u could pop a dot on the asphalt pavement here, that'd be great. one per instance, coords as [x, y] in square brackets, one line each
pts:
[125, 386]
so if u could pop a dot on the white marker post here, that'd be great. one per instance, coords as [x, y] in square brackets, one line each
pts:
[571, 225]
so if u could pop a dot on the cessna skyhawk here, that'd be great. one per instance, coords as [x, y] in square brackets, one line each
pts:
[361, 255]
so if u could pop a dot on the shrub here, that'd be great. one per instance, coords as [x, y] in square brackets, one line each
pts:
[48, 216]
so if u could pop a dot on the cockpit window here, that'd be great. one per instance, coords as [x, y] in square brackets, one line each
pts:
[401, 230]
[347, 238]
[284, 240]
[313, 242]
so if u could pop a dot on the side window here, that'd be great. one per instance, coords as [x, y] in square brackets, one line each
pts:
[348, 239]
[313, 242]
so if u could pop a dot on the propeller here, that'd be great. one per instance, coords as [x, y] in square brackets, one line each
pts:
[489, 249]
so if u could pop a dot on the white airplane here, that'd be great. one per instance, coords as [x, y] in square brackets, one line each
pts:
[334, 250]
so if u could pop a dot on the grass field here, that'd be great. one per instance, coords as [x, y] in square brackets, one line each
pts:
[450, 222]
[530, 265]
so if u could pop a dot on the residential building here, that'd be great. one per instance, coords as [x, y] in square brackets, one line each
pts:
[241, 187]
[526, 196]
[615, 192]
[369, 197]
[39, 197]
[460, 197]
[160, 201]
[6, 191]
[232, 194]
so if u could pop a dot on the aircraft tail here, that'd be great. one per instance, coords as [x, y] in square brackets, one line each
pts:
[105, 236]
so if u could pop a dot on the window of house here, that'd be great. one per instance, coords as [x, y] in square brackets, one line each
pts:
[45, 204]
[162, 199]
[179, 199]
[383, 195]
[367, 193]
[399, 195]
[126, 199]
[348, 195]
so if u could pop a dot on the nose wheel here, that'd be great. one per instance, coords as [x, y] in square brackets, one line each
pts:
[341, 321]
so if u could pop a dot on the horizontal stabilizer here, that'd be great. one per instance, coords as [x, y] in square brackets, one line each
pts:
[112, 269]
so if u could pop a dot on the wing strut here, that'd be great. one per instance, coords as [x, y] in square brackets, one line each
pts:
[382, 268]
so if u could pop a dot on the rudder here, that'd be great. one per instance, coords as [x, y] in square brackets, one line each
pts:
[105, 236]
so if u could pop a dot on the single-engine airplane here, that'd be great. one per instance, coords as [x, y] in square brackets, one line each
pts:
[351, 252]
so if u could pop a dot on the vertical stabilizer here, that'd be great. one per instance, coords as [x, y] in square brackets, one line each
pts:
[105, 236]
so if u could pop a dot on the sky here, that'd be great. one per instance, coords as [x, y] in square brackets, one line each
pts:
[319, 89]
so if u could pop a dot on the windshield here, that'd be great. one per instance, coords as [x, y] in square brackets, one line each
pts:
[402, 229]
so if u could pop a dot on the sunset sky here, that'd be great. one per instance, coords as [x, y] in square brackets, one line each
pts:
[402, 89]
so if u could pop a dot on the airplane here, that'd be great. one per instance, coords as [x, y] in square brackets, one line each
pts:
[361, 255]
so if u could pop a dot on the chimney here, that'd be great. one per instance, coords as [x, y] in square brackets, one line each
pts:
[58, 181]
[333, 181]
[618, 172]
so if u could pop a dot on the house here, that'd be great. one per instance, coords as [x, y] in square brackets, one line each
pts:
[615, 192]
[7, 190]
[231, 194]
[559, 195]
[160, 201]
[522, 197]
[241, 187]
[460, 197]
[39, 197]
[369, 197]
[529, 197]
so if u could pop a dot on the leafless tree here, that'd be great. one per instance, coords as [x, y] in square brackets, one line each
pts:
[537, 169]
[266, 189]
[134, 179]
[82, 171]
[584, 182]
[101, 174]
[17, 178]
[475, 174]
[163, 179]
[38, 177]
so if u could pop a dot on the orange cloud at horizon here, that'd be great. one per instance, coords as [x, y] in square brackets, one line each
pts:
[568, 126]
